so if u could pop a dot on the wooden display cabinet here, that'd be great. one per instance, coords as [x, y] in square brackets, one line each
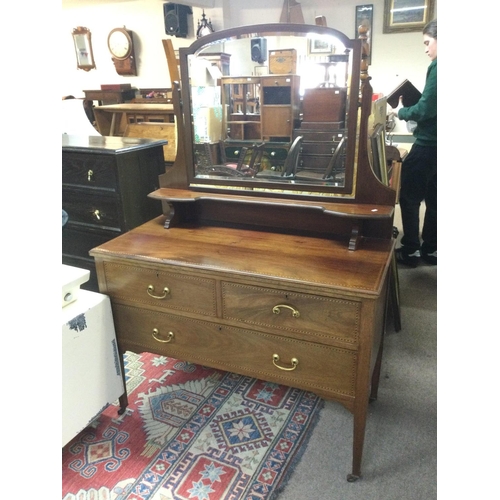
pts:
[281, 279]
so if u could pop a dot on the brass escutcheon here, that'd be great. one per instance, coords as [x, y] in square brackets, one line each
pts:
[90, 175]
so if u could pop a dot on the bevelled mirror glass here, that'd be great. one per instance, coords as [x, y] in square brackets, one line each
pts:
[272, 108]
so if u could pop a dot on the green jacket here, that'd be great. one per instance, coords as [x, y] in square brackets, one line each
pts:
[425, 111]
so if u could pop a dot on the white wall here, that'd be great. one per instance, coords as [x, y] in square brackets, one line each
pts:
[394, 56]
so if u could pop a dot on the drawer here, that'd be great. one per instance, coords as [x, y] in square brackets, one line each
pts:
[92, 171]
[77, 241]
[93, 209]
[276, 81]
[318, 148]
[177, 292]
[322, 319]
[322, 368]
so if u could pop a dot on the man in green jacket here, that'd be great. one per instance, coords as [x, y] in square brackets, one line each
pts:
[419, 171]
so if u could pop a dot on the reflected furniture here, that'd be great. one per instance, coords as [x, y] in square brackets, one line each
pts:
[280, 279]
[105, 183]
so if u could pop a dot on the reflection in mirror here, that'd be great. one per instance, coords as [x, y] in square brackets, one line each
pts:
[253, 96]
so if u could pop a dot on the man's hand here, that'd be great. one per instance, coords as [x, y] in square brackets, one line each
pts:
[395, 111]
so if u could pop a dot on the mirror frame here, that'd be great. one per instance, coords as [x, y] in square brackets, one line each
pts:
[82, 41]
[297, 189]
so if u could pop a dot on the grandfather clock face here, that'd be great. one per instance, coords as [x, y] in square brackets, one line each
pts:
[121, 47]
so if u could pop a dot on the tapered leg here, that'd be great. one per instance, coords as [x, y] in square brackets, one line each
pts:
[360, 413]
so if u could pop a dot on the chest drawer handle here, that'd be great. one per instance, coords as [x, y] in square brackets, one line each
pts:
[151, 290]
[97, 214]
[158, 339]
[294, 362]
[277, 310]
[90, 175]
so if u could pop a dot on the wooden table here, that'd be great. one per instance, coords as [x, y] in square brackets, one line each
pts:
[114, 118]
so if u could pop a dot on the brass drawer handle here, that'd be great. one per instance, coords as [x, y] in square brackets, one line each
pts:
[97, 214]
[90, 176]
[277, 310]
[151, 290]
[155, 336]
[294, 362]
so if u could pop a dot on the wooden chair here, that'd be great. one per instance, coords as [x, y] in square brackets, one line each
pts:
[289, 168]
[154, 130]
[172, 62]
[207, 165]
[251, 167]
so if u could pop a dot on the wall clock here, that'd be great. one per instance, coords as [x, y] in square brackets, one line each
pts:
[121, 47]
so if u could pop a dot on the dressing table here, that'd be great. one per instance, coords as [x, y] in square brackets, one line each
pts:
[283, 279]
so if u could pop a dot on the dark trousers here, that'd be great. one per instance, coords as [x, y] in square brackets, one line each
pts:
[419, 182]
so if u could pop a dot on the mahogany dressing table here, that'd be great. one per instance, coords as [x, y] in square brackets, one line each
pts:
[281, 279]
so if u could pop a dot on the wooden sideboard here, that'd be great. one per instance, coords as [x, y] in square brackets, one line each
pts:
[105, 186]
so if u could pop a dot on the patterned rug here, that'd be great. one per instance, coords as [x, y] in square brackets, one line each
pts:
[190, 432]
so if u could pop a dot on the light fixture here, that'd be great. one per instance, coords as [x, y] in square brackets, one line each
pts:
[204, 26]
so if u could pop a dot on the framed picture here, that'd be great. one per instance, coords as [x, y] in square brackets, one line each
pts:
[319, 46]
[83, 48]
[407, 15]
[364, 17]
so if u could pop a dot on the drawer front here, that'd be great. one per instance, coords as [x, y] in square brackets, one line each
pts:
[318, 148]
[93, 209]
[251, 353]
[276, 81]
[77, 241]
[172, 291]
[322, 319]
[92, 171]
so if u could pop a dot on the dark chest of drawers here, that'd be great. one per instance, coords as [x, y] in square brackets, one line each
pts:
[105, 187]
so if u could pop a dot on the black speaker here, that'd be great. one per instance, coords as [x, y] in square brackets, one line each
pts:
[258, 49]
[176, 19]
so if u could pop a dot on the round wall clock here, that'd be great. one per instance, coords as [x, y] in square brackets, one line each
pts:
[121, 47]
[120, 43]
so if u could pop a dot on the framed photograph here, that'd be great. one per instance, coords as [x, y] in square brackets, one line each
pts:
[318, 46]
[364, 17]
[407, 15]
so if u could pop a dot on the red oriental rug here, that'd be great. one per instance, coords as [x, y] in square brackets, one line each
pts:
[190, 432]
